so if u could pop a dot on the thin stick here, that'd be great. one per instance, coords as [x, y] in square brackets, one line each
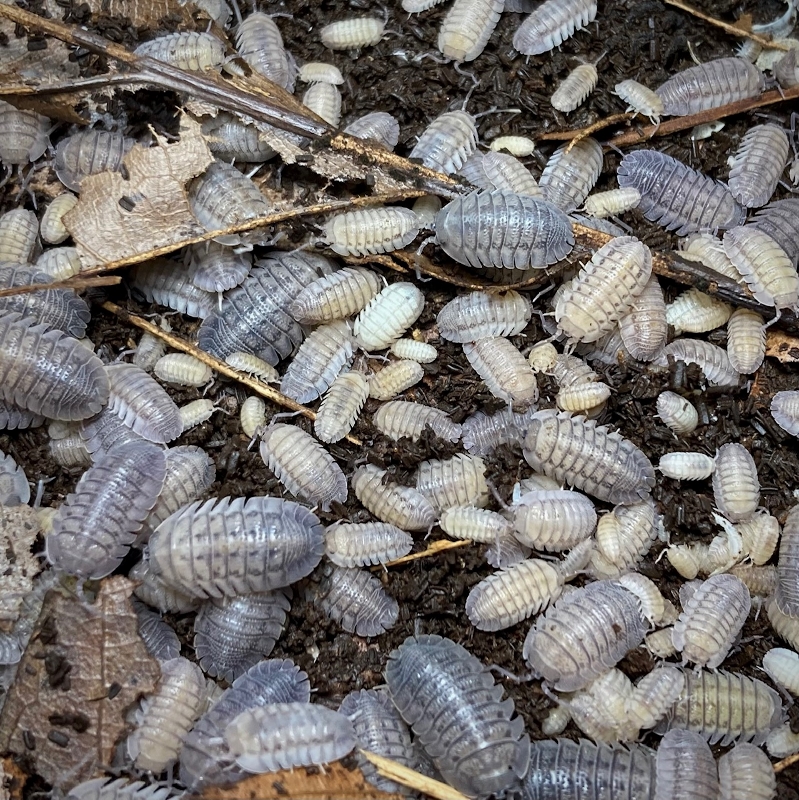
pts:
[440, 546]
[726, 26]
[409, 777]
[598, 126]
[786, 762]
[220, 366]
[75, 282]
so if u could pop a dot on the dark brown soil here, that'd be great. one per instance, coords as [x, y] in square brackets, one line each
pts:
[643, 39]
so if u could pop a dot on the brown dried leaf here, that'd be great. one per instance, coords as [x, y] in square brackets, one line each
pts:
[157, 176]
[47, 66]
[12, 780]
[783, 347]
[19, 527]
[83, 669]
[744, 23]
[142, 13]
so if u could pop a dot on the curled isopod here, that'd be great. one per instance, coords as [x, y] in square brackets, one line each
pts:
[554, 520]
[573, 91]
[571, 173]
[687, 466]
[677, 197]
[745, 773]
[252, 415]
[686, 769]
[24, 135]
[217, 267]
[551, 24]
[612, 202]
[142, 404]
[477, 524]
[159, 638]
[778, 220]
[447, 142]
[336, 296]
[324, 99]
[399, 418]
[378, 127]
[710, 85]
[736, 488]
[710, 358]
[19, 231]
[643, 327]
[402, 506]
[167, 716]
[357, 601]
[159, 281]
[95, 526]
[456, 481]
[230, 547]
[394, 378]
[302, 465]
[195, 51]
[260, 44]
[366, 543]
[519, 146]
[782, 666]
[341, 407]
[624, 537]
[506, 372]
[694, 311]
[453, 706]
[764, 265]
[480, 315]
[14, 487]
[640, 99]
[467, 28]
[387, 316]
[48, 373]
[482, 434]
[182, 369]
[232, 634]
[380, 729]
[320, 72]
[758, 164]
[511, 595]
[350, 34]
[652, 602]
[426, 209]
[785, 411]
[589, 456]
[318, 362]
[787, 595]
[711, 619]
[746, 340]
[89, 152]
[52, 226]
[585, 633]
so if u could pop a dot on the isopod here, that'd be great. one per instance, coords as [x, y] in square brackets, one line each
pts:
[19, 231]
[399, 418]
[687, 466]
[480, 315]
[787, 595]
[761, 582]
[14, 487]
[554, 520]
[708, 250]
[447, 142]
[13, 417]
[52, 226]
[230, 139]
[736, 488]
[477, 524]
[216, 267]
[612, 202]
[643, 327]
[467, 28]
[453, 706]
[341, 407]
[182, 369]
[387, 316]
[350, 34]
[152, 590]
[232, 634]
[778, 220]
[694, 311]
[710, 358]
[785, 411]
[551, 24]
[746, 340]
[456, 481]
[252, 415]
[161, 641]
[120, 789]
[641, 99]
[357, 601]
[686, 769]
[70, 452]
[482, 434]
[260, 44]
[412, 350]
[302, 465]
[24, 135]
[59, 263]
[758, 164]
[341, 294]
[89, 152]
[624, 537]
[500, 171]
[589, 456]
[196, 412]
[370, 231]
[366, 543]
[782, 666]
[195, 51]
[710, 85]
[571, 173]
[745, 773]
[506, 372]
[324, 99]
[576, 87]
[252, 365]
[395, 378]
[320, 72]
[402, 506]
[161, 282]
[378, 127]
[653, 604]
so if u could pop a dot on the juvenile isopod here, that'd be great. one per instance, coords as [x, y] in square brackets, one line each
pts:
[378, 127]
[758, 164]
[402, 506]
[366, 543]
[710, 358]
[746, 340]
[302, 465]
[710, 85]
[708, 250]
[217, 267]
[480, 315]
[370, 231]
[196, 412]
[159, 638]
[252, 365]
[341, 407]
[643, 327]
[686, 769]
[571, 173]
[453, 706]
[412, 350]
[89, 152]
[195, 51]
[161, 282]
[399, 418]
[551, 24]
[612, 202]
[589, 456]
[467, 28]
[694, 311]
[785, 411]
[654, 605]
[52, 226]
[357, 601]
[59, 263]
[573, 91]
[511, 595]
[336, 296]
[506, 372]
[677, 197]
[447, 142]
[387, 316]
[624, 537]
[477, 524]
[640, 99]
[554, 520]
[24, 135]
[745, 773]
[782, 666]
[252, 415]
[687, 466]
[324, 99]
[260, 44]
[70, 452]
[395, 378]
[182, 369]
[456, 481]
[350, 34]
[519, 146]
[230, 139]
[224, 548]
[736, 488]
[482, 434]
[19, 231]
[787, 594]
[321, 72]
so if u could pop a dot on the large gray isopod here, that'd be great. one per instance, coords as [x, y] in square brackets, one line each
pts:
[89, 152]
[787, 595]
[160, 281]
[686, 769]
[452, 704]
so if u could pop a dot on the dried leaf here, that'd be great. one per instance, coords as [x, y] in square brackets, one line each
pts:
[19, 527]
[84, 667]
[104, 230]
[142, 13]
[336, 782]
[12, 780]
[783, 347]
[47, 66]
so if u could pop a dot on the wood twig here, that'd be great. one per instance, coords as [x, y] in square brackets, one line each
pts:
[409, 777]
[220, 366]
[76, 282]
[440, 546]
[786, 762]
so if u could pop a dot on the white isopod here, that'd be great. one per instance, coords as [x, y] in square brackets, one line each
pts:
[59, 263]
[477, 524]
[519, 146]
[412, 350]
[687, 466]
[321, 72]
[642, 327]
[694, 311]
[456, 481]
[570, 174]
[710, 358]
[359, 545]
[252, 365]
[341, 407]
[612, 202]
[388, 316]
[551, 24]
[399, 418]
[350, 34]
[758, 164]
[506, 372]
[395, 378]
[624, 537]
[653, 603]
[480, 315]
[573, 91]
[554, 520]
[640, 99]
[708, 250]
[369, 231]
[467, 28]
[402, 506]
[196, 412]
[52, 226]
[324, 99]
[746, 340]
[745, 773]
[785, 410]
[736, 488]
[782, 666]
[252, 415]
[182, 369]
[447, 142]
[341, 294]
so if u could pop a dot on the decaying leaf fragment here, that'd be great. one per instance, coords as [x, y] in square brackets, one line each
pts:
[19, 527]
[117, 217]
[141, 13]
[84, 667]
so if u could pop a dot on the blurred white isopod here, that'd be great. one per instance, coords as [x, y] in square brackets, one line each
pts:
[640, 99]
[399, 418]
[612, 202]
[710, 358]
[402, 506]
[573, 91]
[467, 28]
[746, 340]
[341, 407]
[252, 415]
[686, 769]
[551, 24]
[196, 412]
[480, 315]
[412, 350]
[696, 312]
[52, 227]
[653, 603]
[260, 44]
[782, 666]
[394, 378]
[745, 773]
[583, 398]
[377, 127]
[369, 231]
[624, 537]
[519, 146]
[677, 413]
[350, 34]
[506, 372]
[785, 410]
[686, 466]
[321, 72]
[324, 99]
[341, 294]
[59, 263]
[252, 365]
[182, 369]
[387, 316]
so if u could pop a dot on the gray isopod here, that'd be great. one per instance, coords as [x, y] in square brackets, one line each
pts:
[232, 634]
[758, 164]
[745, 773]
[120, 789]
[260, 44]
[24, 135]
[453, 706]
[710, 85]
[388, 315]
[380, 729]
[142, 404]
[226, 547]
[95, 526]
[14, 487]
[571, 173]
[369, 231]
[567, 770]
[287, 735]
[320, 359]
[399, 418]
[13, 417]
[482, 434]
[356, 600]
[467, 28]
[677, 197]
[378, 127]
[302, 465]
[779, 221]
[366, 543]
[785, 411]
[686, 769]
[480, 315]
[61, 309]
[19, 233]
[341, 407]
[710, 358]
[89, 152]
[506, 372]
[456, 481]
[341, 294]
[162, 282]
[48, 373]
[402, 506]
[104, 431]
[159, 638]
[787, 594]
[216, 267]
[584, 634]
[230, 139]
[195, 51]
[551, 24]
[588, 456]
[643, 327]
[736, 488]
[447, 142]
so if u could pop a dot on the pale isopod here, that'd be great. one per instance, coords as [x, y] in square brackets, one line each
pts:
[182, 369]
[746, 340]
[762, 582]
[477, 524]
[190, 50]
[402, 506]
[336, 296]
[640, 99]
[554, 519]
[70, 452]
[686, 769]
[363, 544]
[59, 263]
[687, 466]
[694, 311]
[480, 315]
[152, 590]
[519, 146]
[787, 595]
[302, 465]
[782, 666]
[398, 418]
[447, 142]
[252, 365]
[230, 139]
[505, 551]
[551, 24]
[467, 28]
[217, 267]
[708, 250]
[252, 415]
[260, 44]
[341, 407]
[573, 91]
[196, 412]
[395, 378]
[506, 372]
[324, 99]
[570, 174]
[89, 152]
[624, 537]
[388, 316]
[710, 358]
[378, 127]
[745, 773]
[482, 434]
[14, 487]
[758, 164]
[677, 413]
[24, 135]
[19, 230]
[612, 202]
[785, 411]
[350, 34]
[320, 72]
[371, 230]
[119, 789]
[162, 282]
[412, 350]
[643, 327]
[653, 604]
[736, 488]
[52, 226]
[500, 171]
[456, 481]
